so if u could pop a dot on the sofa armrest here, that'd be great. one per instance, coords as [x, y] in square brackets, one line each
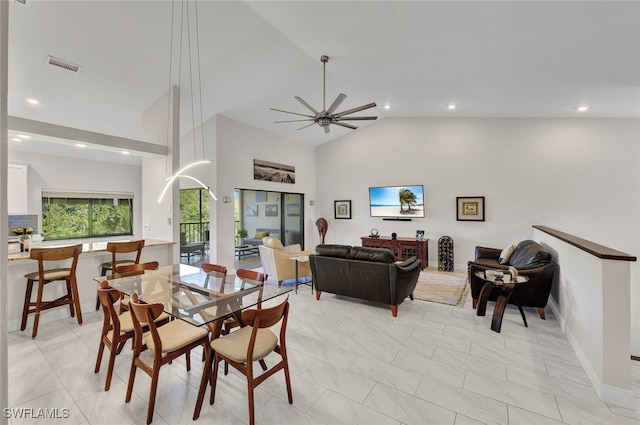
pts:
[293, 248]
[485, 252]
[406, 280]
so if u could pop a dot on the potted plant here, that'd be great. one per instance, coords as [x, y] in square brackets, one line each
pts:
[241, 234]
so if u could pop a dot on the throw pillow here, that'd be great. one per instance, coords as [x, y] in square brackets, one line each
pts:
[506, 254]
[260, 235]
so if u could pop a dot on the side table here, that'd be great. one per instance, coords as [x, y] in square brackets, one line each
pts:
[507, 290]
[302, 259]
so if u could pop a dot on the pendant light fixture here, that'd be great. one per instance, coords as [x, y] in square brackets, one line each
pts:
[180, 173]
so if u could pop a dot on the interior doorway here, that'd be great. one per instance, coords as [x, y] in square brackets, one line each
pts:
[278, 214]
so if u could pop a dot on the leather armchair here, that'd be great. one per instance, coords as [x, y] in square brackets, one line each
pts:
[530, 259]
[277, 260]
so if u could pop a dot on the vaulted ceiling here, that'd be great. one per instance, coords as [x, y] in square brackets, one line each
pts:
[490, 59]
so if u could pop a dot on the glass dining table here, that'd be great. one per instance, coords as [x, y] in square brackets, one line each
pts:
[190, 294]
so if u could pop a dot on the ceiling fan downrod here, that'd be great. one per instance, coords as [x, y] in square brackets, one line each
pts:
[324, 59]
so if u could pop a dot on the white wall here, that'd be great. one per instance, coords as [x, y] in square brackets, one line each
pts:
[580, 176]
[237, 146]
[57, 172]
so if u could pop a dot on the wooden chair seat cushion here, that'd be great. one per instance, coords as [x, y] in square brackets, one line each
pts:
[177, 334]
[53, 274]
[109, 264]
[126, 323]
[234, 346]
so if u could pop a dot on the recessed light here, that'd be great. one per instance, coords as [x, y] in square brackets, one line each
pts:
[387, 106]
[24, 136]
[451, 107]
[582, 108]
[33, 101]
[125, 152]
[81, 145]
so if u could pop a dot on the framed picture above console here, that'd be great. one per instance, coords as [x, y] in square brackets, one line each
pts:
[342, 209]
[470, 208]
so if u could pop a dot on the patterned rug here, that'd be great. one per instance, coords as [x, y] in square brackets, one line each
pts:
[442, 287]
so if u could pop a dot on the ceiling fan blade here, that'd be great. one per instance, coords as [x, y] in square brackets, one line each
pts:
[294, 113]
[309, 119]
[357, 118]
[358, 109]
[341, 97]
[309, 125]
[344, 124]
[299, 99]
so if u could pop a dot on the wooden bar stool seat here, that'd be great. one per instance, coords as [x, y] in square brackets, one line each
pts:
[44, 276]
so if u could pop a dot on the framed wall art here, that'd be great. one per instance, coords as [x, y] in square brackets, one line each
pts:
[271, 210]
[470, 208]
[342, 209]
[251, 210]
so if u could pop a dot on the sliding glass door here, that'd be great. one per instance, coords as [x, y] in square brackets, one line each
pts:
[278, 214]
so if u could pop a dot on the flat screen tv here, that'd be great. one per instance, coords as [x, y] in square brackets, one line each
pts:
[397, 201]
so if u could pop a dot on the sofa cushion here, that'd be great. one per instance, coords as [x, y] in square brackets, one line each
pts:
[260, 235]
[340, 251]
[529, 252]
[506, 254]
[379, 255]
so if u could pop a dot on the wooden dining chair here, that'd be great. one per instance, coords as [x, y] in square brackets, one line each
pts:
[167, 343]
[132, 270]
[214, 272]
[116, 328]
[250, 344]
[120, 247]
[44, 276]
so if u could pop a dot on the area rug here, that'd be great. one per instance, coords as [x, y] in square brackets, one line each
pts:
[442, 287]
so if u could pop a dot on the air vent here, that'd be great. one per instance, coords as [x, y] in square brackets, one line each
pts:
[62, 64]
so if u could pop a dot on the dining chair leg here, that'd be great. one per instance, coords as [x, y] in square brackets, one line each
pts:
[250, 386]
[112, 362]
[204, 381]
[287, 379]
[99, 358]
[132, 378]
[36, 319]
[214, 378]
[27, 302]
[188, 359]
[70, 298]
[76, 299]
[152, 393]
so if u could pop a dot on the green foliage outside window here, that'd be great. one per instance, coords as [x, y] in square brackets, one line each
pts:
[71, 218]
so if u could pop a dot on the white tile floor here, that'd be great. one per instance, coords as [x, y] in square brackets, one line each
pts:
[351, 362]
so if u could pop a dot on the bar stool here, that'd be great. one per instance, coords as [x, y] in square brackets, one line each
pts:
[44, 276]
[123, 247]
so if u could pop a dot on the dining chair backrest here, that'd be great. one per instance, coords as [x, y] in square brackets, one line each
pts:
[56, 254]
[108, 297]
[219, 273]
[125, 247]
[134, 269]
[144, 315]
[267, 317]
[251, 276]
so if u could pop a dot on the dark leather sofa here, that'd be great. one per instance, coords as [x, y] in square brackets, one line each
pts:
[530, 259]
[366, 273]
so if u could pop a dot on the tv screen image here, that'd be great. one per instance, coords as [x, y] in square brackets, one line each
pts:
[397, 201]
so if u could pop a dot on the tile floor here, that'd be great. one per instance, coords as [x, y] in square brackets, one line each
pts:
[351, 362]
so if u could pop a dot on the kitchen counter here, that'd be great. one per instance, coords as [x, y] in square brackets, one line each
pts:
[87, 247]
[94, 253]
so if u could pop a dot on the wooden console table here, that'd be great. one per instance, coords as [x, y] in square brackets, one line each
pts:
[403, 248]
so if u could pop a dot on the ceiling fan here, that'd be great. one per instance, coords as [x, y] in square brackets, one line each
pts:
[329, 116]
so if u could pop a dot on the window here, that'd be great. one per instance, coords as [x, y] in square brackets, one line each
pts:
[69, 215]
[194, 215]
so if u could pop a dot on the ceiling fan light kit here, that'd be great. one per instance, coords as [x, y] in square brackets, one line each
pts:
[326, 117]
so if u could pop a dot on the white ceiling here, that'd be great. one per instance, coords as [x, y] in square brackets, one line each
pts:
[492, 59]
